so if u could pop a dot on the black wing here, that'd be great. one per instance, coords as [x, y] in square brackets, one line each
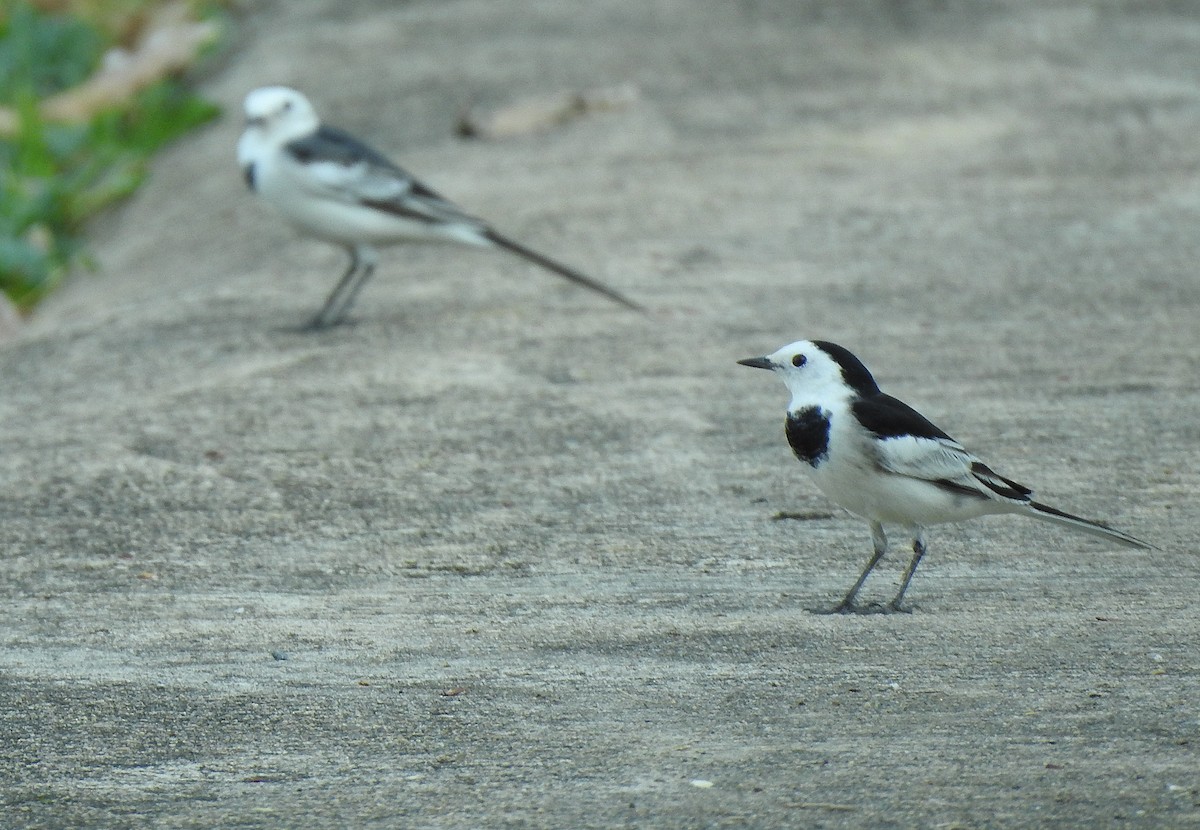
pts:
[889, 417]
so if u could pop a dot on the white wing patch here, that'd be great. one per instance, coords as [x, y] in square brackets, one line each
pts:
[350, 182]
[365, 183]
[946, 462]
[928, 459]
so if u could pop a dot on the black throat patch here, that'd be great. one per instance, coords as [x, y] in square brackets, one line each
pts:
[808, 434]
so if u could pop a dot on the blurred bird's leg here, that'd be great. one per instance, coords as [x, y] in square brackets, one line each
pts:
[367, 259]
[338, 302]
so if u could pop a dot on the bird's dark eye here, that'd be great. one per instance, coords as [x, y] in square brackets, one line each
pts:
[287, 105]
[799, 360]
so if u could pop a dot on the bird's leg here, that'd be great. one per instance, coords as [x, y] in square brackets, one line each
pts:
[879, 542]
[364, 274]
[328, 314]
[918, 552]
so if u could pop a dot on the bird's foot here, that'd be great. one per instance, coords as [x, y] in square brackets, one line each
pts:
[843, 607]
[320, 323]
[862, 610]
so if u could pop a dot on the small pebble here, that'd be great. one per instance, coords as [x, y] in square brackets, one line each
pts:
[280, 655]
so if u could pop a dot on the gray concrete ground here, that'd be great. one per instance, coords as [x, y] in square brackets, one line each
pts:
[518, 545]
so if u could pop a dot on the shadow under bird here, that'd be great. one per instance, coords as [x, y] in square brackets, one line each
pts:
[332, 187]
[882, 460]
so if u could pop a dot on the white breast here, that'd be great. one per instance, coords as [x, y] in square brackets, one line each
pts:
[851, 477]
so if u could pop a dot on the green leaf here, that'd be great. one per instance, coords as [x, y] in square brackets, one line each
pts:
[53, 177]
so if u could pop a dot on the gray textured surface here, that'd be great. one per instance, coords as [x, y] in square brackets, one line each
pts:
[517, 544]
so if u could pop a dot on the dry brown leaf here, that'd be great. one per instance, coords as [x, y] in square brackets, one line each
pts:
[543, 112]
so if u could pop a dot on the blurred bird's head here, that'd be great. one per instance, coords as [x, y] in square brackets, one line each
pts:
[279, 114]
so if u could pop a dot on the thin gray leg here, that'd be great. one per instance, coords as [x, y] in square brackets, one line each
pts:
[326, 316]
[880, 543]
[918, 552]
[364, 274]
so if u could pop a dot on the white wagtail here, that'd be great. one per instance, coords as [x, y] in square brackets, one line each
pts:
[333, 187]
[882, 460]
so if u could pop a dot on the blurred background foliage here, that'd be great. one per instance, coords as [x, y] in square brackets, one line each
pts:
[56, 171]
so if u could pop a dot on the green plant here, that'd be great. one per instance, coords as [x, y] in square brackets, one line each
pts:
[54, 176]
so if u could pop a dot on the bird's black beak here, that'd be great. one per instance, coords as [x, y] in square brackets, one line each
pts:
[758, 363]
[257, 121]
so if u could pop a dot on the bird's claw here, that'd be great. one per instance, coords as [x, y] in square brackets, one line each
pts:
[319, 323]
[870, 608]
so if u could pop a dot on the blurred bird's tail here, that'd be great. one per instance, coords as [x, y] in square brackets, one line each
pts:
[574, 276]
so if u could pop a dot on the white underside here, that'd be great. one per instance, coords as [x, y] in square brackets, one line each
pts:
[348, 224]
[851, 478]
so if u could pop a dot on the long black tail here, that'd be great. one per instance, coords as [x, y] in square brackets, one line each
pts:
[1050, 514]
[560, 269]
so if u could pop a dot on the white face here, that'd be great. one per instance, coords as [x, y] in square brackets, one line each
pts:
[806, 369]
[279, 113]
[803, 364]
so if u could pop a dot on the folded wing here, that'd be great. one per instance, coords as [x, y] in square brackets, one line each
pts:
[335, 165]
[911, 445]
